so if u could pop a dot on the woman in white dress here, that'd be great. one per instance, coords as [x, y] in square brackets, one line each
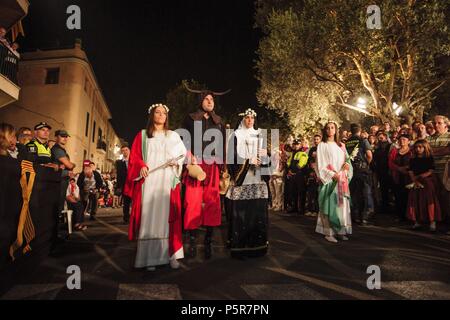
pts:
[335, 171]
[153, 184]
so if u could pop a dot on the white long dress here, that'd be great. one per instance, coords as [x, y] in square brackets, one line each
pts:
[334, 217]
[153, 240]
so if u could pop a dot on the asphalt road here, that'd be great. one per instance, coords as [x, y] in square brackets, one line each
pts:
[300, 265]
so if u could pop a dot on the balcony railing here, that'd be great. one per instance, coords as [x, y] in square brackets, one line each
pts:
[9, 63]
[101, 145]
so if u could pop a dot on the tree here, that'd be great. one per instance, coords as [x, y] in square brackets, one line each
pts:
[182, 102]
[327, 48]
[287, 88]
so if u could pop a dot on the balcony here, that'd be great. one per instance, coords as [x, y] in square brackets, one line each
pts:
[101, 146]
[9, 89]
[12, 12]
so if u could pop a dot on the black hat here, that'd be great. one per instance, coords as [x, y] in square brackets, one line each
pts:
[297, 141]
[41, 125]
[61, 133]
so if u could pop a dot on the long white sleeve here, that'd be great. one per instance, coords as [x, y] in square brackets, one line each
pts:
[323, 160]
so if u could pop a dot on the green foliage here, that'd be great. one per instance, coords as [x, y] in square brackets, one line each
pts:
[317, 54]
[182, 102]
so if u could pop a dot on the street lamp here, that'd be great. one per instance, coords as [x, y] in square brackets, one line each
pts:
[362, 103]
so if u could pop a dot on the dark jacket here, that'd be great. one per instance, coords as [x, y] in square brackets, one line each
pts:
[122, 170]
[380, 163]
[359, 162]
[23, 152]
[97, 177]
[213, 122]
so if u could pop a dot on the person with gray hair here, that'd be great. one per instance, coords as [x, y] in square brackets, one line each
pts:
[440, 147]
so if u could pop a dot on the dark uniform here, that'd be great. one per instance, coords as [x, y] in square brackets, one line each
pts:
[312, 184]
[40, 153]
[360, 186]
[296, 183]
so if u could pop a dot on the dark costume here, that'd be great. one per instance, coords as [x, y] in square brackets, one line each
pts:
[361, 184]
[202, 198]
[247, 197]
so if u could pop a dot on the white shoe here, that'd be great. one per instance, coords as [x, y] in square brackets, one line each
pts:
[331, 239]
[416, 226]
[345, 238]
[410, 186]
[174, 264]
[433, 226]
[151, 268]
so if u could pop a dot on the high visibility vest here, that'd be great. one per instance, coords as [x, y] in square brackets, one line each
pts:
[41, 152]
[301, 157]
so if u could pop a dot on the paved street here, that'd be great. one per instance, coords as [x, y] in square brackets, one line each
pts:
[300, 265]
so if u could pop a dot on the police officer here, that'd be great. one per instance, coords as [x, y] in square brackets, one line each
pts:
[360, 152]
[295, 178]
[40, 153]
[38, 149]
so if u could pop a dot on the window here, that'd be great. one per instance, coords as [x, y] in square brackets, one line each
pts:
[84, 155]
[100, 134]
[86, 130]
[52, 76]
[86, 84]
[93, 133]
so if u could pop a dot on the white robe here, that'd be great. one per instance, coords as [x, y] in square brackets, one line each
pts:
[331, 154]
[153, 240]
[248, 143]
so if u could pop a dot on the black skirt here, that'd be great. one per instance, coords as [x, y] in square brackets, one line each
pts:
[248, 227]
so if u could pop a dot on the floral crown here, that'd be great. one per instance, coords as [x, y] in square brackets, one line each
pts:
[156, 106]
[248, 112]
[332, 121]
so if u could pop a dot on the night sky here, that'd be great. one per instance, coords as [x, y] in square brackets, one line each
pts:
[141, 49]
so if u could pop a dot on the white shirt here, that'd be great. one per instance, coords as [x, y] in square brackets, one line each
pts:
[76, 191]
[110, 186]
